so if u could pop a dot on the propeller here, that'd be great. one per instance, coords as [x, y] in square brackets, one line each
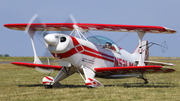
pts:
[42, 34]
[32, 33]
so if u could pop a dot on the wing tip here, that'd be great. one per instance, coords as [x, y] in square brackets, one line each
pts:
[172, 31]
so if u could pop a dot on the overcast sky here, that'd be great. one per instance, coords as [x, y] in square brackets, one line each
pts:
[130, 12]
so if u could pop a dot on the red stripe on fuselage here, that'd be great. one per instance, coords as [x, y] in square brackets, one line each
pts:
[87, 51]
[96, 56]
[68, 53]
[75, 42]
[97, 52]
[73, 51]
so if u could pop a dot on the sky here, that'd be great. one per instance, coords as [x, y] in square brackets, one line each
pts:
[129, 12]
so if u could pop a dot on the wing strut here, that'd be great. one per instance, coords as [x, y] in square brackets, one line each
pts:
[31, 34]
[140, 36]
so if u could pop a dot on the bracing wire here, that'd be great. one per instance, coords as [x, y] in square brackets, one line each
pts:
[123, 37]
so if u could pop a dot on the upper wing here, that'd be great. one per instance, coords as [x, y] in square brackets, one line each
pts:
[135, 69]
[90, 26]
[32, 65]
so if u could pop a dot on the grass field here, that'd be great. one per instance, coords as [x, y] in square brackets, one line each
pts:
[25, 84]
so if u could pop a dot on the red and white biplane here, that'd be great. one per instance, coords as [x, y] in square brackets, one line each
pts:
[95, 56]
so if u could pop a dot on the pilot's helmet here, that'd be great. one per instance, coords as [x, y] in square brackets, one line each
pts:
[108, 44]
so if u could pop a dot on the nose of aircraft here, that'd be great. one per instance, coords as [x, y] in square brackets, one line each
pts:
[51, 39]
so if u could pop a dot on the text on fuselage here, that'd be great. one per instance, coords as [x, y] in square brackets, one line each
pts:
[122, 62]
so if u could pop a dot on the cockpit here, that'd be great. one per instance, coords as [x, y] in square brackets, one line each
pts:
[104, 42]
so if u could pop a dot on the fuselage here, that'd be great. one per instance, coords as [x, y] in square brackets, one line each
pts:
[84, 52]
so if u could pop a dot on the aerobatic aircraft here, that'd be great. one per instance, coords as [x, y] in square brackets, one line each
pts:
[93, 56]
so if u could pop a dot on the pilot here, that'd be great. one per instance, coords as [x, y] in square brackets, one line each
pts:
[108, 45]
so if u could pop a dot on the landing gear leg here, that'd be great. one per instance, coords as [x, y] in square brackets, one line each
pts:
[145, 79]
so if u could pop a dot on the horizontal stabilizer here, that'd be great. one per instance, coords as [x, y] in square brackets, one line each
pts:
[157, 63]
[32, 65]
[90, 26]
[135, 69]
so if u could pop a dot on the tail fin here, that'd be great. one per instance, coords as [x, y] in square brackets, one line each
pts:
[145, 51]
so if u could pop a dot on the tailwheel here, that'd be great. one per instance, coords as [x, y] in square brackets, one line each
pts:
[145, 79]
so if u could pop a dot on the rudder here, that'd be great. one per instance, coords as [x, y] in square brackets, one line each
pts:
[144, 50]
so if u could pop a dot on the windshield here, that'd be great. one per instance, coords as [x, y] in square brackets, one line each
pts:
[104, 42]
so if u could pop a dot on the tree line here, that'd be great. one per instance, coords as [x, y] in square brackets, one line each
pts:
[5, 55]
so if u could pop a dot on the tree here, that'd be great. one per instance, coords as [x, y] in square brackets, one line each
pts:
[6, 55]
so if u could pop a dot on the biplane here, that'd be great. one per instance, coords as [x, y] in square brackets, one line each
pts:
[93, 56]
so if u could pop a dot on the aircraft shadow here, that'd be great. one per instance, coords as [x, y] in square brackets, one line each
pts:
[149, 85]
[127, 85]
[32, 85]
[60, 86]
[71, 86]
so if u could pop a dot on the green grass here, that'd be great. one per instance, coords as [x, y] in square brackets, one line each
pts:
[25, 84]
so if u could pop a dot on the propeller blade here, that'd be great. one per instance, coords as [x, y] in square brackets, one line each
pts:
[30, 22]
[31, 32]
[73, 19]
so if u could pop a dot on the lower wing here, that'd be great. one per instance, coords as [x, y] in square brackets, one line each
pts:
[32, 65]
[134, 69]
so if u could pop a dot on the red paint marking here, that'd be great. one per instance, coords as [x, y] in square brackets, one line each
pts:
[115, 62]
[75, 42]
[88, 84]
[90, 79]
[45, 82]
[98, 84]
[79, 48]
[119, 61]
[131, 64]
[140, 50]
[94, 83]
[120, 48]
[147, 52]
[49, 78]
[122, 62]
[68, 53]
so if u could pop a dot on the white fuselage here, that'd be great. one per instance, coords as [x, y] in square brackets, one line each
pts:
[83, 52]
